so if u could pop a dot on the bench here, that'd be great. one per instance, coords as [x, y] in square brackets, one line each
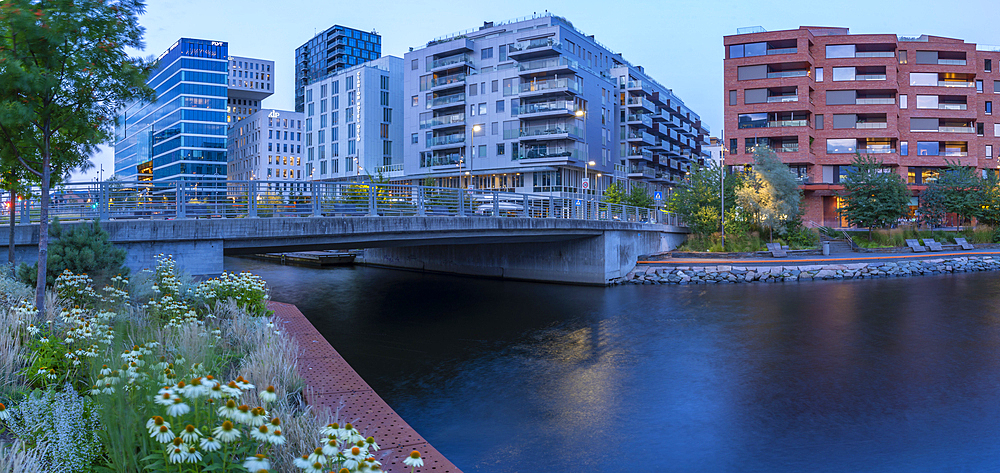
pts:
[964, 244]
[776, 250]
[933, 244]
[915, 246]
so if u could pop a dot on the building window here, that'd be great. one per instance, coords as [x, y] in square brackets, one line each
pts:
[988, 66]
[486, 53]
[841, 145]
[482, 151]
[415, 138]
[732, 97]
[414, 101]
[473, 89]
[979, 86]
[500, 149]
[989, 108]
[989, 151]
[819, 122]
[819, 74]
[980, 129]
[904, 148]
[495, 128]
[902, 57]
[482, 109]
[902, 101]
[413, 64]
[500, 104]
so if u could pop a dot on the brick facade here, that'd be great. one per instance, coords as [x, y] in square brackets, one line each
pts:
[878, 69]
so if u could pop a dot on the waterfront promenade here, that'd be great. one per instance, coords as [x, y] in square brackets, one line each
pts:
[334, 385]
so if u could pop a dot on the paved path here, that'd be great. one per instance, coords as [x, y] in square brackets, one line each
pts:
[337, 387]
[817, 259]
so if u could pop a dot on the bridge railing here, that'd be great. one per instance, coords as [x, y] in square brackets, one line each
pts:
[265, 199]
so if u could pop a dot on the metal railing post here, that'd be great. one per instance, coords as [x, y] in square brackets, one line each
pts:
[496, 204]
[181, 211]
[552, 207]
[372, 204]
[104, 201]
[25, 210]
[421, 210]
[461, 202]
[317, 206]
[525, 212]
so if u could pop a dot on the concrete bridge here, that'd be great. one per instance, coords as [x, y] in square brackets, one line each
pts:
[483, 233]
[554, 250]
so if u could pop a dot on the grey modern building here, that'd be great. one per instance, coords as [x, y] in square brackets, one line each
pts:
[267, 146]
[526, 105]
[331, 51]
[354, 122]
[250, 81]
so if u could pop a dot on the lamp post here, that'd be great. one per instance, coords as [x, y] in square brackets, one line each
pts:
[472, 148]
[722, 189]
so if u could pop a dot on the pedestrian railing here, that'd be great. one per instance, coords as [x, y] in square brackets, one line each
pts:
[144, 200]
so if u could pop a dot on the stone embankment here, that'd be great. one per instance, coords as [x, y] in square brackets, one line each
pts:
[652, 274]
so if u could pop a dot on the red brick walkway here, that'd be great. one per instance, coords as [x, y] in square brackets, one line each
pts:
[336, 386]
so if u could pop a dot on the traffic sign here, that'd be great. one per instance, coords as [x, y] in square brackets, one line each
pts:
[586, 183]
[578, 202]
[658, 196]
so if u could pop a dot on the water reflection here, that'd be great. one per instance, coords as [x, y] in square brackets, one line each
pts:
[884, 375]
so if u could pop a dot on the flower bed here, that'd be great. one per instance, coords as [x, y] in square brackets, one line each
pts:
[160, 374]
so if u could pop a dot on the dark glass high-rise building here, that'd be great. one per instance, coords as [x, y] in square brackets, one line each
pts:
[328, 52]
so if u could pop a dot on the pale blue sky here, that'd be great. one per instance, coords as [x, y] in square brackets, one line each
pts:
[679, 42]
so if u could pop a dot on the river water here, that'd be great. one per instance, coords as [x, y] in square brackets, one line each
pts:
[867, 375]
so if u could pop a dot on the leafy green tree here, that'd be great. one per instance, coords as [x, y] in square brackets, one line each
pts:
[962, 191]
[931, 211]
[81, 249]
[990, 212]
[615, 193]
[874, 196]
[64, 73]
[771, 192]
[638, 196]
[696, 201]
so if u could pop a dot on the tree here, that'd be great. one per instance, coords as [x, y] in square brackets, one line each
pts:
[64, 73]
[931, 211]
[615, 193]
[14, 180]
[874, 196]
[696, 201]
[962, 191]
[771, 193]
[83, 249]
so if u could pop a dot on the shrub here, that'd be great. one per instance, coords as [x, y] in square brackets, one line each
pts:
[63, 424]
[83, 249]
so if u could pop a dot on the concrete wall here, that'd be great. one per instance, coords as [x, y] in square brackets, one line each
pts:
[578, 251]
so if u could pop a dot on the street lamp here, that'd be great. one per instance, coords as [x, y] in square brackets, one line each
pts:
[472, 149]
[722, 188]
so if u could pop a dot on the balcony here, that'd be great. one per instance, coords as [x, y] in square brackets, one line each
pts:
[640, 136]
[533, 48]
[637, 118]
[858, 54]
[789, 148]
[869, 77]
[955, 83]
[877, 150]
[542, 152]
[641, 102]
[870, 125]
[640, 153]
[783, 74]
[771, 52]
[449, 80]
[784, 123]
[783, 98]
[446, 101]
[449, 62]
[450, 159]
[956, 129]
[452, 139]
[639, 85]
[953, 106]
[550, 132]
[875, 101]
[453, 119]
[550, 85]
[951, 62]
[954, 153]
[562, 107]
[641, 171]
[554, 64]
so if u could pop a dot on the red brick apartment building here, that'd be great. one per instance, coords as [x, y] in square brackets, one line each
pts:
[817, 94]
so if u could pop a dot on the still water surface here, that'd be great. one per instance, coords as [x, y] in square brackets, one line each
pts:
[870, 375]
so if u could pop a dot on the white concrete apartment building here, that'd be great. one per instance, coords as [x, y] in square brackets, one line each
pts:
[354, 122]
[526, 105]
[267, 146]
[251, 80]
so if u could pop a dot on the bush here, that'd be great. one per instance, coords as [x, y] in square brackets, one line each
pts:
[65, 422]
[83, 249]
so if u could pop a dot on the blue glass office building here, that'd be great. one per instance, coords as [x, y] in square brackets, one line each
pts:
[331, 51]
[182, 134]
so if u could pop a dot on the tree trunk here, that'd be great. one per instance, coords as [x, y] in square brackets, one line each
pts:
[43, 235]
[13, 205]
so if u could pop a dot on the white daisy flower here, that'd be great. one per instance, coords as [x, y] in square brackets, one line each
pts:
[268, 395]
[209, 444]
[316, 467]
[413, 460]
[177, 455]
[317, 456]
[276, 438]
[178, 408]
[257, 462]
[164, 399]
[330, 429]
[190, 434]
[192, 455]
[330, 448]
[154, 423]
[162, 434]
[302, 462]
[229, 411]
[258, 416]
[226, 433]
[371, 443]
[4, 415]
[260, 433]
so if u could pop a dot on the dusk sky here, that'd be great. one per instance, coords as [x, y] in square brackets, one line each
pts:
[678, 42]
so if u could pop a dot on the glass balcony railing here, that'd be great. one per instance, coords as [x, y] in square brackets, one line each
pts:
[645, 171]
[533, 44]
[640, 135]
[511, 134]
[446, 139]
[450, 79]
[782, 51]
[449, 61]
[454, 118]
[951, 62]
[638, 84]
[546, 64]
[543, 130]
[441, 160]
[877, 150]
[540, 85]
[783, 98]
[874, 54]
[780, 74]
[792, 148]
[784, 123]
[870, 125]
[642, 101]
[446, 100]
[956, 129]
[876, 101]
[560, 106]
[536, 152]
[953, 106]
[645, 153]
[955, 83]
[951, 152]
[640, 117]
[869, 77]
